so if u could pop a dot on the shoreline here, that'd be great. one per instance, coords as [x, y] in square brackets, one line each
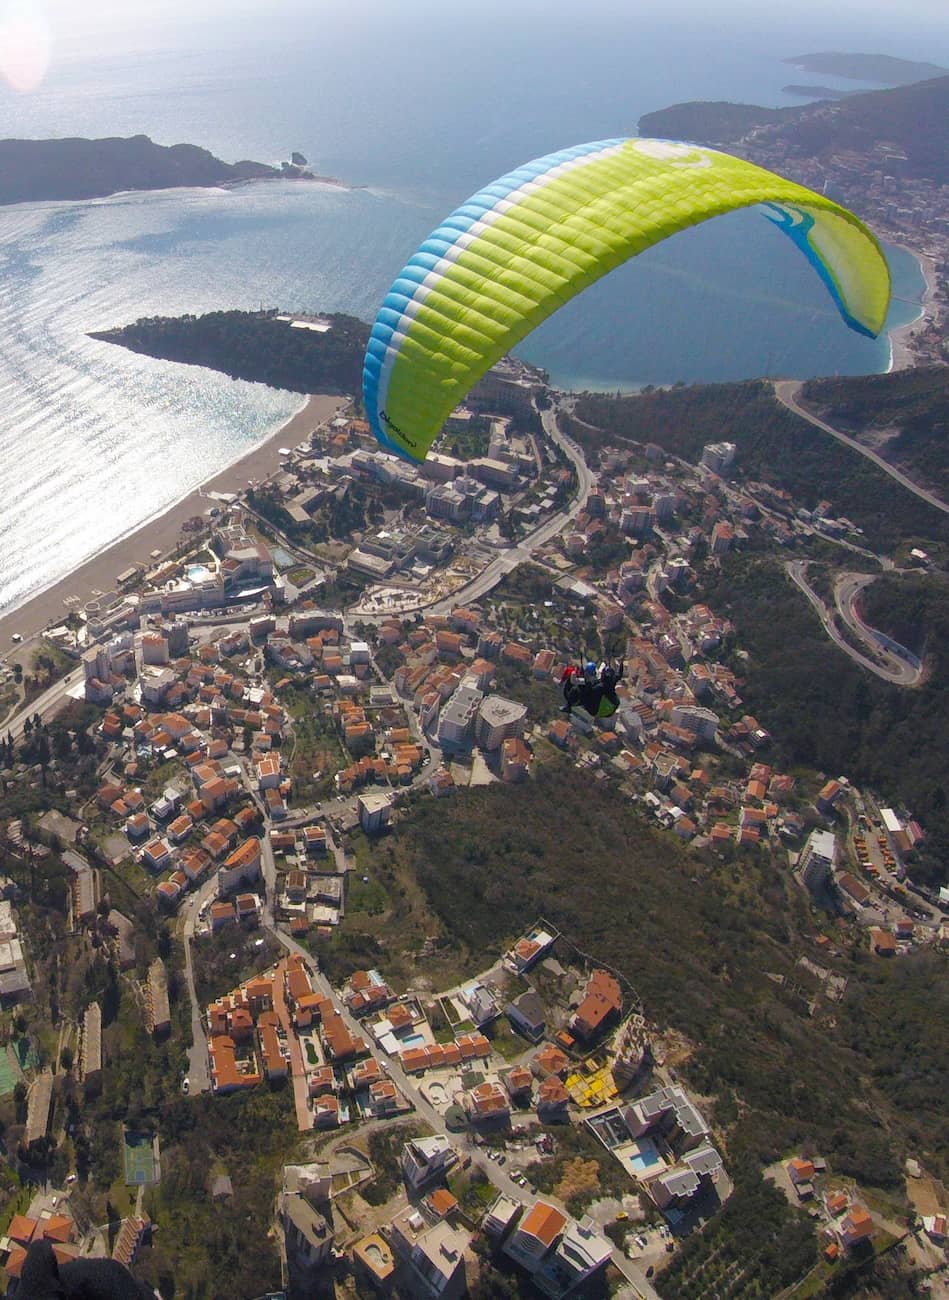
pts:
[902, 352]
[161, 531]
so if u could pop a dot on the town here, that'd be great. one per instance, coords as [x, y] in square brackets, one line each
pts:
[246, 716]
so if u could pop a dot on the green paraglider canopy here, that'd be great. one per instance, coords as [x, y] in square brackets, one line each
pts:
[515, 252]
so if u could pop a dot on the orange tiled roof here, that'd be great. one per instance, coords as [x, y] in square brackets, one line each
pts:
[544, 1222]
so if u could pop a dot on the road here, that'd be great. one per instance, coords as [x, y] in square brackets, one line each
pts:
[44, 704]
[199, 1079]
[524, 550]
[787, 390]
[895, 669]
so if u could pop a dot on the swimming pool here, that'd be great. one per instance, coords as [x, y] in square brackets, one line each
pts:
[413, 1040]
[197, 573]
[644, 1156]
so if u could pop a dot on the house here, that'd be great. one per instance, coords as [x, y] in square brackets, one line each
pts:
[601, 1005]
[481, 1004]
[487, 1102]
[156, 855]
[552, 1100]
[550, 1060]
[855, 1228]
[519, 1082]
[527, 1016]
[535, 1235]
[424, 1160]
[433, 1252]
[530, 949]
[882, 942]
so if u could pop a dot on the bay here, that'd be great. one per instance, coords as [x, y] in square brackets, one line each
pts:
[420, 109]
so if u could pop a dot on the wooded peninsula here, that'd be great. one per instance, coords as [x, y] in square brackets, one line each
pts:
[34, 171]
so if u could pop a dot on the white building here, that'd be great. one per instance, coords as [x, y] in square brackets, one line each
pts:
[374, 809]
[717, 456]
[818, 859]
[426, 1159]
[457, 720]
[498, 719]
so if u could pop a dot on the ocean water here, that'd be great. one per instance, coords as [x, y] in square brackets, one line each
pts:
[415, 110]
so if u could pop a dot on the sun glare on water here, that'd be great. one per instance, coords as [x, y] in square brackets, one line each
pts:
[24, 45]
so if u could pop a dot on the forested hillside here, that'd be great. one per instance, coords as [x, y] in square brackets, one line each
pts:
[775, 446]
[703, 942]
[37, 170]
[912, 119]
[254, 345]
[909, 408]
[825, 711]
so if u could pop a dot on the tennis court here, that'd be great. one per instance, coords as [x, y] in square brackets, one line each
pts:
[8, 1075]
[140, 1164]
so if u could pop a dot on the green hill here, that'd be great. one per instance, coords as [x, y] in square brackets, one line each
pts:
[33, 171]
[909, 407]
[910, 120]
[707, 945]
[780, 448]
[255, 346]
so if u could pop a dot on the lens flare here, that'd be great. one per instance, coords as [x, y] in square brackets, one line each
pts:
[24, 46]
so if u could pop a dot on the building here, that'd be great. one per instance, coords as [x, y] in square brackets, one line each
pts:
[498, 719]
[718, 456]
[817, 860]
[500, 1215]
[457, 720]
[601, 1005]
[374, 811]
[426, 1160]
[38, 1108]
[90, 1054]
[433, 1252]
[308, 1239]
[158, 1011]
[240, 867]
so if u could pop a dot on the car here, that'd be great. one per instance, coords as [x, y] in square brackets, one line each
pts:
[502, 1158]
[16, 638]
[185, 1085]
[622, 1216]
[70, 1178]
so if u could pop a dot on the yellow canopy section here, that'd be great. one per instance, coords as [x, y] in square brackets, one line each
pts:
[519, 249]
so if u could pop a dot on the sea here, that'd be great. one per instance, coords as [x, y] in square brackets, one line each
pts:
[412, 105]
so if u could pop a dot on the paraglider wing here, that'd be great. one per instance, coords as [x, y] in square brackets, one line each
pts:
[519, 249]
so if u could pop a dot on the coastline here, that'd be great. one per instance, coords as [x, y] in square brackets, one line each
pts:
[161, 531]
[902, 352]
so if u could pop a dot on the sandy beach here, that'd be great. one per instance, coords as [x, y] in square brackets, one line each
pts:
[162, 532]
[902, 353]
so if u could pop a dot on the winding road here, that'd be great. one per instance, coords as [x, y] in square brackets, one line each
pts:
[787, 392]
[895, 664]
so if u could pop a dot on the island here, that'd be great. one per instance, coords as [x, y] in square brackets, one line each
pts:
[882, 68]
[35, 171]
